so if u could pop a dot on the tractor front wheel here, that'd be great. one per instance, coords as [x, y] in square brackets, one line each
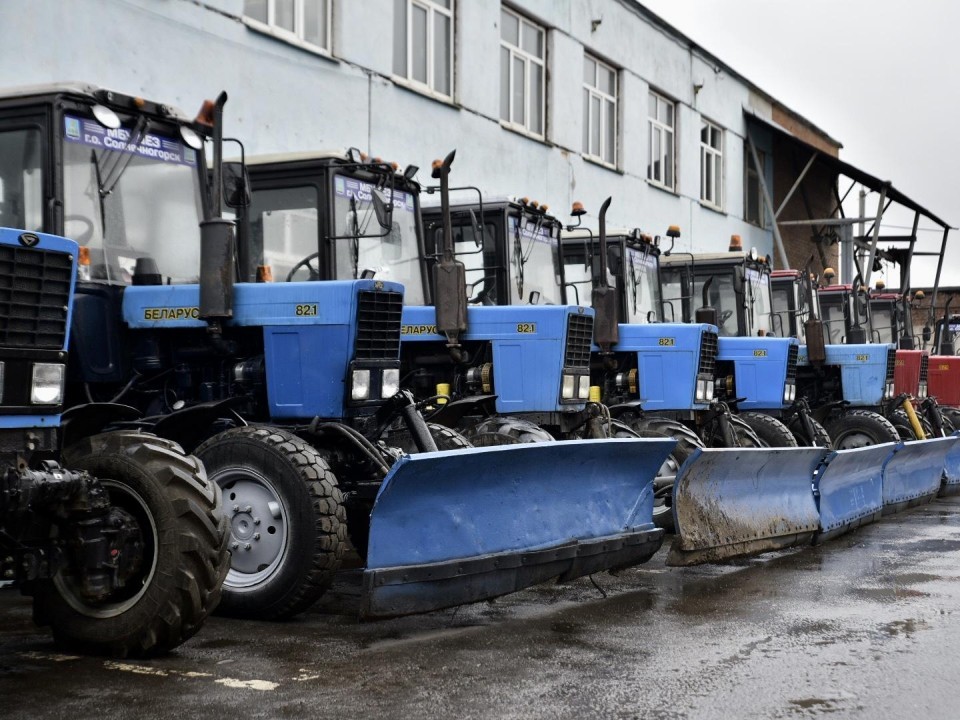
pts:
[502, 430]
[860, 428]
[772, 432]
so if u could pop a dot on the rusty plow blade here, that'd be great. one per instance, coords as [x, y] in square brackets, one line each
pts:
[913, 475]
[849, 488]
[734, 502]
[456, 527]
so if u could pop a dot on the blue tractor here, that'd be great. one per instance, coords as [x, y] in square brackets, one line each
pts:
[757, 360]
[124, 547]
[288, 391]
[497, 373]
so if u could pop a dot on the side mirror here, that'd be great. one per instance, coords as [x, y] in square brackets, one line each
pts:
[236, 186]
[651, 316]
[383, 210]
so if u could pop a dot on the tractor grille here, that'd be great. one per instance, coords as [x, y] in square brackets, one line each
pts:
[792, 362]
[378, 325]
[891, 363]
[34, 295]
[708, 354]
[579, 341]
[924, 362]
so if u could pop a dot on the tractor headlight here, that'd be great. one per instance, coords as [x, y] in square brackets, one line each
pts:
[786, 393]
[46, 388]
[568, 388]
[922, 392]
[583, 392]
[360, 387]
[888, 393]
[391, 383]
[701, 395]
[710, 387]
[793, 393]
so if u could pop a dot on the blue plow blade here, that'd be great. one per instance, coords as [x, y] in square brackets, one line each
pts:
[849, 488]
[914, 474]
[951, 471]
[456, 527]
[734, 502]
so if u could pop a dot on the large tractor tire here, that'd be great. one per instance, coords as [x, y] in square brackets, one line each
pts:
[772, 432]
[500, 430]
[288, 526]
[445, 438]
[860, 428]
[687, 442]
[952, 414]
[183, 536]
[746, 437]
[821, 438]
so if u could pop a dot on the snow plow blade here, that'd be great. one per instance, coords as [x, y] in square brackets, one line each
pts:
[849, 489]
[734, 502]
[456, 527]
[951, 471]
[914, 474]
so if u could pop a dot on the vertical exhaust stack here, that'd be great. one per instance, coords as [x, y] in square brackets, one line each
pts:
[217, 238]
[606, 329]
[449, 274]
[946, 346]
[812, 327]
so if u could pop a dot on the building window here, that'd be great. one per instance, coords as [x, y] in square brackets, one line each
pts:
[303, 22]
[662, 152]
[711, 165]
[522, 53]
[423, 44]
[599, 111]
[752, 192]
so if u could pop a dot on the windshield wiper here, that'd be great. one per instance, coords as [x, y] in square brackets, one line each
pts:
[518, 250]
[120, 165]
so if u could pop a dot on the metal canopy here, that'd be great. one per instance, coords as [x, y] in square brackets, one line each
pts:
[842, 168]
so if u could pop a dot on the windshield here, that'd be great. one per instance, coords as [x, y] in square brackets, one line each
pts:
[534, 261]
[882, 322]
[757, 283]
[394, 253]
[643, 290]
[787, 321]
[831, 307]
[130, 194]
[284, 230]
[674, 306]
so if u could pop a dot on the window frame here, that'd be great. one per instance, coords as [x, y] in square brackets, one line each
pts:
[593, 91]
[516, 52]
[296, 36]
[708, 151]
[748, 170]
[431, 7]
[656, 126]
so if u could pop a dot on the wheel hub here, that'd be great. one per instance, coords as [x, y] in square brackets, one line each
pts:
[257, 529]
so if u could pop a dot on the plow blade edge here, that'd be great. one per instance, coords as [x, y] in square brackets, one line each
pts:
[914, 474]
[951, 471]
[849, 488]
[734, 502]
[456, 527]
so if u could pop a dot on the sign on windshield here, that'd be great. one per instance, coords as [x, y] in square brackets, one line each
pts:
[346, 187]
[85, 131]
[532, 231]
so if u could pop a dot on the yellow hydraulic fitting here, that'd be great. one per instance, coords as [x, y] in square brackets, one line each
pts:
[443, 393]
[914, 420]
[595, 393]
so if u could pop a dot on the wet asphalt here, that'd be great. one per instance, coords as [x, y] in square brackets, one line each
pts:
[867, 625]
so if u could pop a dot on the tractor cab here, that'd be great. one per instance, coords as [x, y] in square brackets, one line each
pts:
[633, 259]
[509, 248]
[332, 216]
[735, 283]
[794, 303]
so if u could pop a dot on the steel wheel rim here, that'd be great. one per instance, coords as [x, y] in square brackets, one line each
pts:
[853, 440]
[259, 527]
[125, 497]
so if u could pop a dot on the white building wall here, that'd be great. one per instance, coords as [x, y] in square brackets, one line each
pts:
[285, 98]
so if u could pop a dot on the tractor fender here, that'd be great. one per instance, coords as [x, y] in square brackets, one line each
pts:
[82, 421]
[191, 425]
[450, 414]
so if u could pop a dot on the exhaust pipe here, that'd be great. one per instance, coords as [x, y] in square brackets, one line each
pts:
[218, 246]
[606, 329]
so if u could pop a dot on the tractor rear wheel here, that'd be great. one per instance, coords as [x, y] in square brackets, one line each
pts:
[860, 428]
[445, 438]
[176, 514]
[288, 525]
[505, 430]
[898, 418]
[770, 430]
